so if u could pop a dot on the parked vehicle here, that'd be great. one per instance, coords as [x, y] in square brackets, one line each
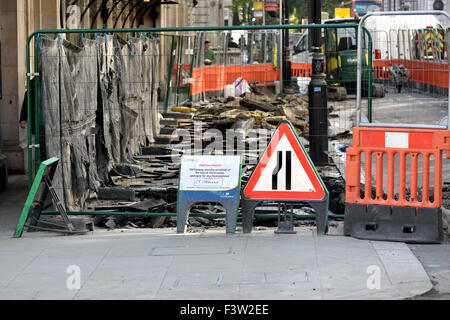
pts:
[340, 48]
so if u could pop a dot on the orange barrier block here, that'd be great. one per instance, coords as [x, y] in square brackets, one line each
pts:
[196, 87]
[184, 69]
[215, 78]
[431, 73]
[381, 68]
[400, 143]
[303, 70]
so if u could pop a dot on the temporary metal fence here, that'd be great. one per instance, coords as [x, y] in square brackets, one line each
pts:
[417, 97]
[99, 93]
[411, 59]
[96, 105]
[339, 47]
[254, 56]
[250, 54]
[395, 165]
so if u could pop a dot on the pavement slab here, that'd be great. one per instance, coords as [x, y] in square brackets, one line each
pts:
[161, 264]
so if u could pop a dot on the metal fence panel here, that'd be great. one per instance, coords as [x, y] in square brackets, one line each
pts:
[412, 62]
[103, 94]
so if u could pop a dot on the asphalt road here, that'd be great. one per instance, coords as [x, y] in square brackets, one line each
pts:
[436, 262]
[409, 107]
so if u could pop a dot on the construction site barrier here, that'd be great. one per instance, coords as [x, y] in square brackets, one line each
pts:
[378, 212]
[381, 69]
[213, 79]
[396, 142]
[303, 70]
[420, 70]
[384, 156]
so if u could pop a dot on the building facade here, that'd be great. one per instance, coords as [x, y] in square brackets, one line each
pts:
[213, 13]
[413, 5]
[20, 18]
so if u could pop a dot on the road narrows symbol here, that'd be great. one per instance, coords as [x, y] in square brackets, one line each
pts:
[279, 168]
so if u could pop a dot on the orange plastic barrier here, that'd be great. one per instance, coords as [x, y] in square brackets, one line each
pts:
[215, 78]
[435, 74]
[380, 69]
[431, 73]
[184, 69]
[301, 69]
[402, 142]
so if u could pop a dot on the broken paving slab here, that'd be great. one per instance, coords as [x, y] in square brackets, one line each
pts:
[178, 115]
[155, 150]
[127, 169]
[113, 193]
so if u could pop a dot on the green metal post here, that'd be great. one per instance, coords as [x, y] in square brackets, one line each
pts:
[29, 116]
[169, 78]
[179, 68]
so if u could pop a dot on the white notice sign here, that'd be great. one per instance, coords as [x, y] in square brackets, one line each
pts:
[209, 173]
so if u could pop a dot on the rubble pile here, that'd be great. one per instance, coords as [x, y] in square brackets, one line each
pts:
[336, 188]
[265, 112]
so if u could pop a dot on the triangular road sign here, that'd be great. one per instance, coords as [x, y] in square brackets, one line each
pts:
[285, 171]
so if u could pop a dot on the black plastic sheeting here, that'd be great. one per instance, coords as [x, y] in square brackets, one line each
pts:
[99, 105]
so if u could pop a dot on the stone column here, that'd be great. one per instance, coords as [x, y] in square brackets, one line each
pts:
[13, 84]
[18, 19]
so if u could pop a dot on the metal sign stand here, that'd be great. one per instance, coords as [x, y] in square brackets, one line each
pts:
[229, 199]
[230, 206]
[285, 226]
[320, 207]
[42, 185]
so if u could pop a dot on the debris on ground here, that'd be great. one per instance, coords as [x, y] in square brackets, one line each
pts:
[336, 228]
[150, 184]
[400, 75]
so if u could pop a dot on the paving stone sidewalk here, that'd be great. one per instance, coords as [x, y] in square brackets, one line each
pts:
[160, 264]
